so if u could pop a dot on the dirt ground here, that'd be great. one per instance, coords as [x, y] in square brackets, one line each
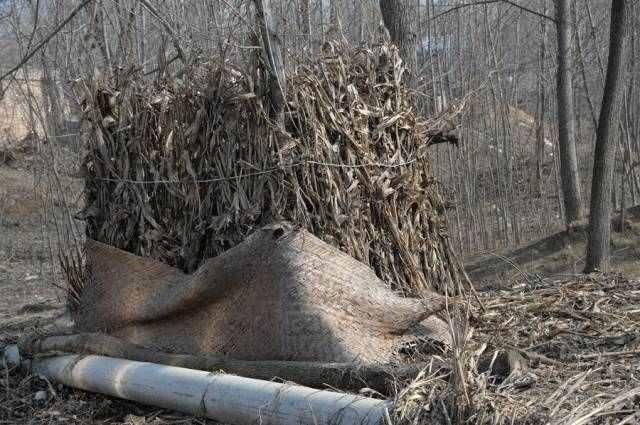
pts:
[534, 299]
[27, 281]
[560, 254]
[31, 295]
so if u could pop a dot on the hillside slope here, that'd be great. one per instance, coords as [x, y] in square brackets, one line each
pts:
[559, 254]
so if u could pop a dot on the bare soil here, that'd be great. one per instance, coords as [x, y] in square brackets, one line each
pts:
[27, 282]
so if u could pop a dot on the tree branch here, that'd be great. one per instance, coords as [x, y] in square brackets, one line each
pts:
[167, 27]
[481, 2]
[48, 38]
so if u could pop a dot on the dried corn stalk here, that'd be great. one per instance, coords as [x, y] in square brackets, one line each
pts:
[183, 170]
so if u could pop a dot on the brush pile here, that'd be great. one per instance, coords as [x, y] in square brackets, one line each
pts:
[182, 170]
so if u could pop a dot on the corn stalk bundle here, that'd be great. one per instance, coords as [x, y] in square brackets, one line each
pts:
[183, 170]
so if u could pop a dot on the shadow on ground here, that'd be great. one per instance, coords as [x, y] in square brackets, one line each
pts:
[559, 254]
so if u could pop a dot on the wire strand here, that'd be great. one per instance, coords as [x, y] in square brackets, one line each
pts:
[257, 173]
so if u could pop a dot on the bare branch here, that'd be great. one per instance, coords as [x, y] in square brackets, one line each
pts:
[48, 38]
[167, 27]
[481, 2]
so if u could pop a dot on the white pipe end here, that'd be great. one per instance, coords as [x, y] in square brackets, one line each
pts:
[11, 356]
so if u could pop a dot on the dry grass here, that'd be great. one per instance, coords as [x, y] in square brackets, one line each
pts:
[580, 341]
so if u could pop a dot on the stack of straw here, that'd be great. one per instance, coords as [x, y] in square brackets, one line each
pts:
[182, 170]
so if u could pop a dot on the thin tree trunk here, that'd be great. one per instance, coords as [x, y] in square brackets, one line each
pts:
[540, 131]
[583, 73]
[335, 26]
[142, 43]
[358, 9]
[569, 176]
[53, 111]
[99, 35]
[273, 56]
[399, 18]
[305, 20]
[600, 220]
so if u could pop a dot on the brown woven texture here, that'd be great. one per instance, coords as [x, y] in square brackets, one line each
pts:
[182, 170]
[283, 294]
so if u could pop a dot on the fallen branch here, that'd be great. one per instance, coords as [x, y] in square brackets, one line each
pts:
[609, 354]
[345, 376]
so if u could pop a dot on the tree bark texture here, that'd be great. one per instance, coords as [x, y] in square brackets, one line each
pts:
[399, 17]
[569, 176]
[542, 103]
[600, 219]
[273, 58]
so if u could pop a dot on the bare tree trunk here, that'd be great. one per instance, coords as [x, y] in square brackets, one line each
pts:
[305, 20]
[570, 180]
[273, 57]
[540, 131]
[362, 16]
[52, 102]
[335, 26]
[583, 73]
[100, 35]
[142, 44]
[399, 18]
[600, 220]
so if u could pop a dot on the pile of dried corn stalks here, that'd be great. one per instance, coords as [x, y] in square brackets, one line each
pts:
[182, 170]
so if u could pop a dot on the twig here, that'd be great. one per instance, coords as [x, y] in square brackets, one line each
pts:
[167, 27]
[609, 354]
[540, 357]
[509, 2]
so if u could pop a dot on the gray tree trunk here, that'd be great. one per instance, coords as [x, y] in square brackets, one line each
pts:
[335, 26]
[304, 14]
[569, 176]
[542, 103]
[600, 220]
[399, 17]
[273, 58]
[52, 101]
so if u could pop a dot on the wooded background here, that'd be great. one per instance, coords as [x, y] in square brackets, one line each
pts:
[528, 76]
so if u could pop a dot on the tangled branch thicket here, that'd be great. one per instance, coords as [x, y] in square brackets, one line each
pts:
[183, 169]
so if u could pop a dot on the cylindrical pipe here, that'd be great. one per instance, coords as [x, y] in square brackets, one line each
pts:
[225, 398]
